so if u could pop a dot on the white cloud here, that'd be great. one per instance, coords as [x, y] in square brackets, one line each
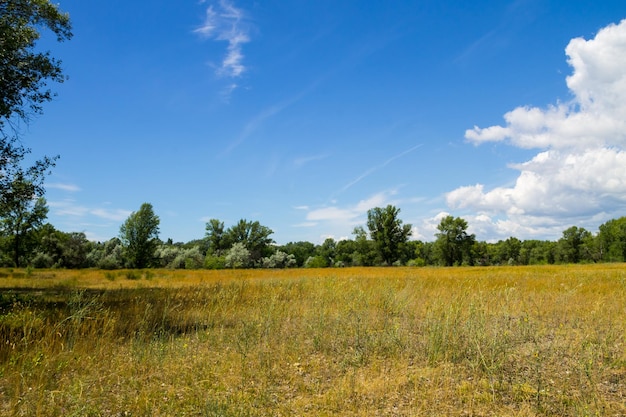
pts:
[579, 177]
[351, 215]
[596, 116]
[68, 208]
[225, 22]
[64, 187]
[116, 215]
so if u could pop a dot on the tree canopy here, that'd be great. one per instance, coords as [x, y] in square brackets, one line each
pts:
[388, 232]
[139, 235]
[454, 244]
[24, 70]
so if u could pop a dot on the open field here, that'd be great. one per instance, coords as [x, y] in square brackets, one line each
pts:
[505, 341]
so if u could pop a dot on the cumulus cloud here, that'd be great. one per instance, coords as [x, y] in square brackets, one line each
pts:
[225, 22]
[596, 116]
[579, 175]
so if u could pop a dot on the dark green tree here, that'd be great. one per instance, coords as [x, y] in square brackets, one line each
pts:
[254, 236]
[571, 248]
[300, 250]
[216, 237]
[387, 232]
[140, 236]
[25, 69]
[326, 252]
[453, 245]
[612, 240]
[22, 208]
[365, 253]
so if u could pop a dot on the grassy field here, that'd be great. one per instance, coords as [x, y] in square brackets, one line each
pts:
[505, 341]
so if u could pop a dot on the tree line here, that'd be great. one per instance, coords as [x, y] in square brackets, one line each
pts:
[383, 241]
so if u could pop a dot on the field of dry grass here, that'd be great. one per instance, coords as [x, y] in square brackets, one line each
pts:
[506, 341]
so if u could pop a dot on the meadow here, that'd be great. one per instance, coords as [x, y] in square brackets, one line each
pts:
[496, 341]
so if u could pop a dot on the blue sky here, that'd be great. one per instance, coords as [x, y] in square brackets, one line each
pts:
[305, 114]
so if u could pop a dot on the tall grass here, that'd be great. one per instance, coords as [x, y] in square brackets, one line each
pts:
[508, 341]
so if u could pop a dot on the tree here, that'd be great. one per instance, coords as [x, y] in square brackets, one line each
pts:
[238, 256]
[612, 240]
[571, 247]
[453, 244]
[139, 235]
[254, 236]
[387, 232]
[22, 207]
[365, 253]
[300, 250]
[216, 237]
[25, 70]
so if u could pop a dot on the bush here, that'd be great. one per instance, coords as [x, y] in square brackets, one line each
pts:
[42, 260]
[134, 275]
[215, 262]
[316, 262]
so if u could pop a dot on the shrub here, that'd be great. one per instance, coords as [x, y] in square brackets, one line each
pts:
[214, 262]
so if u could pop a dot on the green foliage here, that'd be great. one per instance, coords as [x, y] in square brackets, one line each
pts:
[454, 245]
[300, 250]
[108, 255]
[20, 217]
[139, 235]
[253, 236]
[327, 251]
[388, 232]
[25, 69]
[279, 259]
[218, 240]
[612, 240]
[238, 256]
[214, 262]
[316, 262]
[573, 246]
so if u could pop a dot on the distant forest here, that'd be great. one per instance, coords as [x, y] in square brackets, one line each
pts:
[383, 241]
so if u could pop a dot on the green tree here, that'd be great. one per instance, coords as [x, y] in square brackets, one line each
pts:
[388, 232]
[300, 250]
[365, 253]
[217, 238]
[571, 247]
[254, 236]
[139, 235]
[454, 244]
[238, 256]
[612, 240]
[507, 251]
[326, 252]
[22, 210]
[25, 69]
[24, 72]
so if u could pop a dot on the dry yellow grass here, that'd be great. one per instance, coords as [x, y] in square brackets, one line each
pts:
[506, 341]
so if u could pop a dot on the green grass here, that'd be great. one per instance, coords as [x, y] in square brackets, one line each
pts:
[508, 341]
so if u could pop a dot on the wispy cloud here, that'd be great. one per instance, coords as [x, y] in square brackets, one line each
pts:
[225, 22]
[69, 208]
[352, 214]
[375, 168]
[64, 187]
[303, 160]
[267, 113]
